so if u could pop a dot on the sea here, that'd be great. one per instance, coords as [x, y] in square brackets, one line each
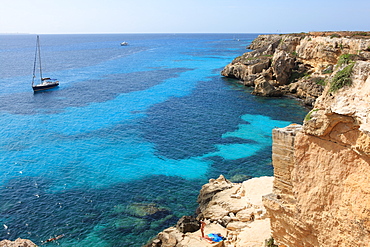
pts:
[119, 151]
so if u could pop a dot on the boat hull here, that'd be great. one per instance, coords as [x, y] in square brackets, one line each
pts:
[42, 87]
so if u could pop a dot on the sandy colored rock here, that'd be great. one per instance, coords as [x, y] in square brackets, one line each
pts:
[17, 243]
[321, 194]
[308, 60]
[226, 213]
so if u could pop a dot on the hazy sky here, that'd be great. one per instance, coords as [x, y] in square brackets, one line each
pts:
[182, 16]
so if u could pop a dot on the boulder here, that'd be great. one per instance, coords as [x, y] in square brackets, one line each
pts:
[213, 187]
[264, 88]
[282, 64]
[17, 243]
[265, 41]
[188, 224]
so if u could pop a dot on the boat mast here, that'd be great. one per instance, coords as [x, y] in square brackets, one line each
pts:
[34, 63]
[38, 44]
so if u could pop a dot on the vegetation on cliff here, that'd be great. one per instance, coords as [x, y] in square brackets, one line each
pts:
[300, 64]
[343, 77]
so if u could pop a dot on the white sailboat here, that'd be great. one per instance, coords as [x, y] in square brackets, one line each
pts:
[45, 83]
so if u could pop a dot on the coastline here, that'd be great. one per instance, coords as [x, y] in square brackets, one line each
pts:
[336, 128]
[335, 132]
[299, 65]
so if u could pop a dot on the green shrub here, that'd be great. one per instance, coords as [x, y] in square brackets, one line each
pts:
[270, 243]
[342, 78]
[251, 58]
[295, 76]
[327, 71]
[345, 59]
[308, 116]
[320, 81]
[360, 34]
[334, 35]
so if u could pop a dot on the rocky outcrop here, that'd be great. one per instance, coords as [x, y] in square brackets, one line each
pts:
[321, 194]
[234, 210]
[296, 64]
[188, 224]
[17, 243]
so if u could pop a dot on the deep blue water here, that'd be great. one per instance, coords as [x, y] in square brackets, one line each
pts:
[129, 127]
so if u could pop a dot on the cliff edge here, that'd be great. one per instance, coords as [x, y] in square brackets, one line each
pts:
[296, 64]
[321, 194]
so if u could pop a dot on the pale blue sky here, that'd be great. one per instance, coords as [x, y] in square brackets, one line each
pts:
[182, 16]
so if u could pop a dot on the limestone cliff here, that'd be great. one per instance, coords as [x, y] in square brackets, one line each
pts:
[321, 194]
[297, 64]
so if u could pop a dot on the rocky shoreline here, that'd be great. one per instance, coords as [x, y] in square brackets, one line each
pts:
[296, 64]
[235, 210]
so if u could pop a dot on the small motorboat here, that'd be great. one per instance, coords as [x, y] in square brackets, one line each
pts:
[124, 43]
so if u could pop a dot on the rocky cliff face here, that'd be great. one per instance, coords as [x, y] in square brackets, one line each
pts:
[322, 169]
[297, 64]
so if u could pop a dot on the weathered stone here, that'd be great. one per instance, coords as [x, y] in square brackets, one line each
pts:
[236, 225]
[282, 64]
[209, 190]
[264, 88]
[17, 243]
[246, 215]
[265, 41]
[188, 224]
[167, 239]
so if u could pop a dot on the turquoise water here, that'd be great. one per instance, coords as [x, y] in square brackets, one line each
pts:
[128, 127]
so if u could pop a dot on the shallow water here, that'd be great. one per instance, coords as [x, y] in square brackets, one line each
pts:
[145, 124]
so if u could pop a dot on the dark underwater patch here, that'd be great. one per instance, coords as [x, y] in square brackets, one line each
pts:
[36, 214]
[85, 92]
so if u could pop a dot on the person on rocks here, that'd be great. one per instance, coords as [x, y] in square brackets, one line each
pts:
[212, 237]
[202, 224]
